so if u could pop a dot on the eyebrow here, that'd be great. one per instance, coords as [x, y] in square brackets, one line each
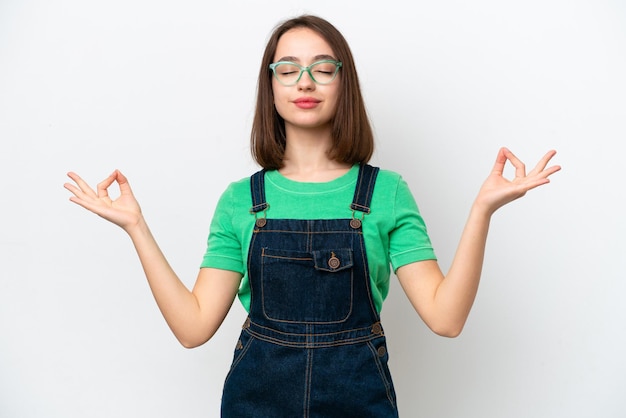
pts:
[315, 58]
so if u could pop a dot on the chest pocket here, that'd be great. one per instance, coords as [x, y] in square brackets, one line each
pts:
[307, 287]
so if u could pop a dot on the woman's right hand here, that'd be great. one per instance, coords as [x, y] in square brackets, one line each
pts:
[123, 211]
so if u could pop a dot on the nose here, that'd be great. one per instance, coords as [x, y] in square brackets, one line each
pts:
[306, 82]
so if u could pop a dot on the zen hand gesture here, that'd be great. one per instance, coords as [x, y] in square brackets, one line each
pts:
[123, 211]
[497, 191]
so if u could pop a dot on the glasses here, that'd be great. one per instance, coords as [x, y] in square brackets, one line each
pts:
[321, 72]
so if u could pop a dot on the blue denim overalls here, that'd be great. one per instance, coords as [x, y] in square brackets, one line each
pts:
[312, 345]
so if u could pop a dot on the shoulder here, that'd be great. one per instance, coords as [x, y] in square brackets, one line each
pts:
[239, 186]
[387, 176]
[389, 180]
[392, 189]
[237, 194]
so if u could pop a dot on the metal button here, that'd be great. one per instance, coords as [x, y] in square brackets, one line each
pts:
[239, 345]
[381, 351]
[333, 261]
[246, 324]
[260, 223]
[355, 223]
[377, 328]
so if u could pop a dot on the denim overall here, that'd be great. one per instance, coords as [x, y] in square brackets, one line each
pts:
[312, 345]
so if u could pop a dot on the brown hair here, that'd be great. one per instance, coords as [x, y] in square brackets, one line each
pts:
[353, 139]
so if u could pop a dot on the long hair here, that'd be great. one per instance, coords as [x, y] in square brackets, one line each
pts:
[352, 136]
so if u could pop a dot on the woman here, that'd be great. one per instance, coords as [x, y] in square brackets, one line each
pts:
[307, 243]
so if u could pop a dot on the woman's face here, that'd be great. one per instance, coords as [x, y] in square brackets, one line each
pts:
[305, 105]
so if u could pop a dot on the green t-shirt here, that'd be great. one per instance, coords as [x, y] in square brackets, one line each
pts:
[394, 231]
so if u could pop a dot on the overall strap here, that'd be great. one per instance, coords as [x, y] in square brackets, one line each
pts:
[364, 188]
[257, 187]
[362, 193]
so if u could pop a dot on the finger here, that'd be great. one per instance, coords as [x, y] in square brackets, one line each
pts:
[498, 167]
[541, 165]
[520, 167]
[81, 198]
[83, 187]
[86, 200]
[552, 170]
[540, 178]
[123, 183]
[82, 202]
[103, 186]
[72, 188]
[94, 206]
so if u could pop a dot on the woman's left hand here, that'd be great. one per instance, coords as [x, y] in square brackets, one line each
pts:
[497, 191]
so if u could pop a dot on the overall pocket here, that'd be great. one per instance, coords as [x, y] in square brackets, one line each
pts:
[311, 287]
[380, 357]
[242, 347]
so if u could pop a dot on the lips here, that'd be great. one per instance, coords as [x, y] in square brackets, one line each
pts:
[306, 102]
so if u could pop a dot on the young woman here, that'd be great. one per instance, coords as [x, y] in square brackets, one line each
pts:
[307, 243]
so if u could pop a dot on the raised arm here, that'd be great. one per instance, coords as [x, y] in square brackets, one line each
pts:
[444, 302]
[193, 316]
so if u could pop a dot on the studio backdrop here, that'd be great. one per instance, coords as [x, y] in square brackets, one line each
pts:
[165, 92]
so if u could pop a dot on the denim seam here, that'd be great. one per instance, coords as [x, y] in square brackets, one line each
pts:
[308, 384]
[367, 282]
[381, 372]
[259, 231]
[239, 357]
[326, 334]
[312, 345]
[251, 290]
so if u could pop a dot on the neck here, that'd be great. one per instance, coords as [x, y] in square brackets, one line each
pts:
[306, 158]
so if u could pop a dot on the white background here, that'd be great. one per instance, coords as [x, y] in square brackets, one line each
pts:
[165, 92]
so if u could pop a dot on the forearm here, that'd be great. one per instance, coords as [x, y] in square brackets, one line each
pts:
[444, 302]
[455, 294]
[193, 316]
[177, 303]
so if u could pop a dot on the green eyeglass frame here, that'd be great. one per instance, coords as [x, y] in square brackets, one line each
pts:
[337, 64]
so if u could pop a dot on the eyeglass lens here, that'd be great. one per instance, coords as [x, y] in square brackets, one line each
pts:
[321, 72]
